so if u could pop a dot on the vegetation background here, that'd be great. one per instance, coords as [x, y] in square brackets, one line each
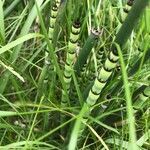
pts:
[74, 74]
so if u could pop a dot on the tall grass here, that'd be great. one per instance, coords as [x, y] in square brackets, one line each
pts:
[85, 84]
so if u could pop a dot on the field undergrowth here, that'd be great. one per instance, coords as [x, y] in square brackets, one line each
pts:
[75, 74]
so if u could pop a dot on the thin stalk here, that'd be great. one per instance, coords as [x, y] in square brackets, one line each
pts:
[130, 112]
[11, 7]
[2, 27]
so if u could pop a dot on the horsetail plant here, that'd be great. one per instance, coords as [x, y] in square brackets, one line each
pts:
[112, 59]
[99, 56]
[70, 58]
[134, 68]
[85, 51]
[127, 9]
[142, 98]
[85, 66]
[43, 79]
[110, 62]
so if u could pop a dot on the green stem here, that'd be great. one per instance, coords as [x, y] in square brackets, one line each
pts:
[84, 53]
[130, 22]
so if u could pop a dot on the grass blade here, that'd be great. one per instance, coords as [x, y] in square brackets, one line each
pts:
[130, 112]
[19, 41]
[2, 28]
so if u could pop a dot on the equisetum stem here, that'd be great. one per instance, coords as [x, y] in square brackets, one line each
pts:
[85, 51]
[127, 9]
[72, 48]
[43, 79]
[142, 98]
[110, 63]
[70, 58]
[99, 56]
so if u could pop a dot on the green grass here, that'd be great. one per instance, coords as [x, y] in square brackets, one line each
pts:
[32, 115]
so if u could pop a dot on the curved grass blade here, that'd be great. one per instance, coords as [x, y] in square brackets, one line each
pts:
[19, 41]
[130, 113]
[12, 71]
[77, 128]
